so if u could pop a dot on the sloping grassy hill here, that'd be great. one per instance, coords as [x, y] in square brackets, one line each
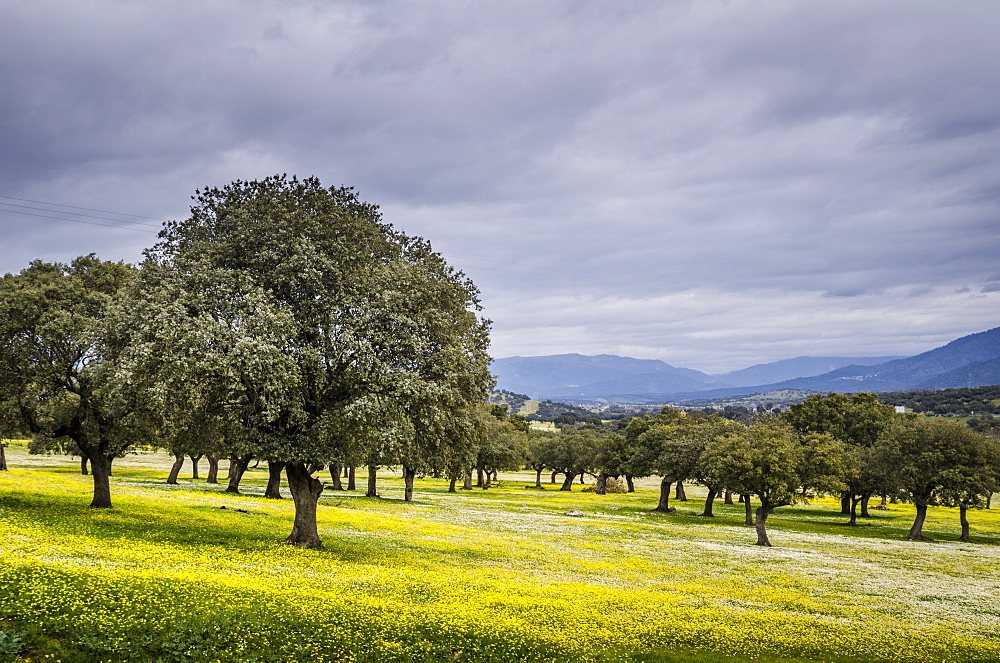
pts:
[498, 575]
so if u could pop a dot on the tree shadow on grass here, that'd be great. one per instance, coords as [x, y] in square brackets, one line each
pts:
[210, 528]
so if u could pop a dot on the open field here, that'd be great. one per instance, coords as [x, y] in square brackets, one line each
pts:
[498, 575]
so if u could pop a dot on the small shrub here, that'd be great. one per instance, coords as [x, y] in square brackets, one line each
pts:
[11, 644]
[615, 486]
[612, 485]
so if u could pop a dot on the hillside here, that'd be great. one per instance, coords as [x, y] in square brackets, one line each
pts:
[976, 374]
[938, 368]
[575, 376]
[972, 360]
[789, 369]
[961, 402]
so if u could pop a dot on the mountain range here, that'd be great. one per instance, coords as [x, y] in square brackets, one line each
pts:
[969, 361]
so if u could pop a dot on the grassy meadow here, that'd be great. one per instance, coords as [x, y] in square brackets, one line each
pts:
[497, 575]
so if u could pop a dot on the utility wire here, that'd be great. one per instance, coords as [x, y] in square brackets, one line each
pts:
[91, 223]
[528, 274]
[88, 209]
[89, 216]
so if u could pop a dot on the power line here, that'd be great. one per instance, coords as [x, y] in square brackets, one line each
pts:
[529, 274]
[89, 216]
[90, 223]
[88, 209]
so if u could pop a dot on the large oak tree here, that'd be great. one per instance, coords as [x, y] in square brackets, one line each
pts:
[312, 326]
[938, 461]
[770, 461]
[57, 377]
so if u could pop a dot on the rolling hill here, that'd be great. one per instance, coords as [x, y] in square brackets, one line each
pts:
[970, 361]
[575, 376]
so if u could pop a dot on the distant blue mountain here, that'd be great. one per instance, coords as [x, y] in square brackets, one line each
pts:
[931, 367]
[976, 374]
[788, 369]
[575, 376]
[972, 360]
[966, 361]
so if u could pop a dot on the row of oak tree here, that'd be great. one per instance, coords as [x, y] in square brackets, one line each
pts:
[286, 322]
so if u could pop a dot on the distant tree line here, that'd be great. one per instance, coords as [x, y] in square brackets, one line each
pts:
[958, 402]
[853, 447]
[560, 413]
[512, 401]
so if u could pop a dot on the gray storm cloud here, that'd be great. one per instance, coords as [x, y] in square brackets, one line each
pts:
[709, 183]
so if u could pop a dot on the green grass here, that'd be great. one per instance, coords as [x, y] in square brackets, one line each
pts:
[498, 575]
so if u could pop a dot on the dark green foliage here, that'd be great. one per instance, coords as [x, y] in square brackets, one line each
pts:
[11, 643]
[560, 413]
[774, 464]
[514, 402]
[287, 321]
[857, 419]
[570, 453]
[938, 461]
[58, 376]
[951, 402]
[989, 425]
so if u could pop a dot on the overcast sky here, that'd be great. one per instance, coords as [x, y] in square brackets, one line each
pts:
[713, 184]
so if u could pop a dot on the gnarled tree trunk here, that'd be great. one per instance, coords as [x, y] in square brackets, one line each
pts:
[213, 469]
[728, 499]
[664, 504]
[567, 484]
[351, 478]
[335, 475]
[237, 467]
[100, 466]
[762, 513]
[468, 480]
[372, 480]
[709, 504]
[917, 530]
[680, 494]
[631, 483]
[408, 475]
[3, 458]
[83, 465]
[962, 508]
[175, 469]
[552, 479]
[864, 506]
[194, 467]
[855, 499]
[538, 478]
[845, 503]
[273, 490]
[747, 511]
[602, 484]
[453, 484]
[306, 490]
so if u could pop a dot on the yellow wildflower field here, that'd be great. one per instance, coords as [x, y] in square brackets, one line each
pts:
[496, 575]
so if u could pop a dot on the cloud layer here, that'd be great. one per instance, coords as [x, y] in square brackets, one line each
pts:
[713, 184]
